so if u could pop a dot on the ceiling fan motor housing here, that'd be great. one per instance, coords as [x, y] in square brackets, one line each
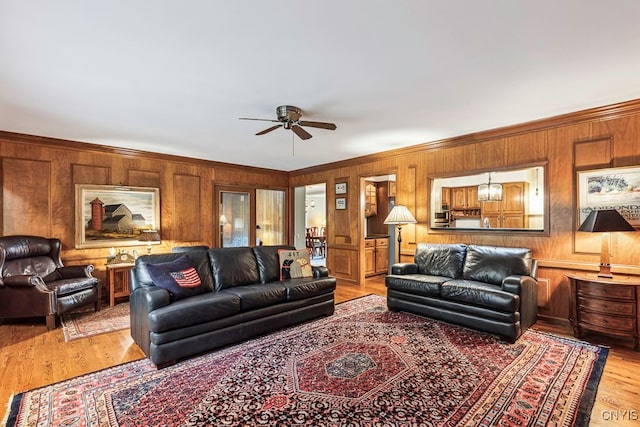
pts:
[288, 115]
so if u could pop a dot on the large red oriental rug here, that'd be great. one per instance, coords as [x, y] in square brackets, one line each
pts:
[363, 366]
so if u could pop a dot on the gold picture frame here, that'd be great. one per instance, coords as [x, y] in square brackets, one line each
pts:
[110, 216]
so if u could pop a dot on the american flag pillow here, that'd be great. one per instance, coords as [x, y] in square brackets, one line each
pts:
[179, 277]
[186, 278]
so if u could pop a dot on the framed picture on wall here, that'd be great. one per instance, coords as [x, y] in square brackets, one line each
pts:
[611, 188]
[109, 216]
[341, 203]
[341, 188]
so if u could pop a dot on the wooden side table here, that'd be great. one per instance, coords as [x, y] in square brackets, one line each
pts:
[118, 274]
[608, 307]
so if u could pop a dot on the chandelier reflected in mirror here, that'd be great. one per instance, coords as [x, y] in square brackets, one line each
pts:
[490, 192]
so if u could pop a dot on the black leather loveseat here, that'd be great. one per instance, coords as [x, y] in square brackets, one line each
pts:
[492, 289]
[241, 296]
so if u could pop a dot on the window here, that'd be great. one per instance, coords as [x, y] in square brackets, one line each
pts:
[249, 217]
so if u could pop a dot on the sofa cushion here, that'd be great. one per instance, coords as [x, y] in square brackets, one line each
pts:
[294, 264]
[480, 294]
[269, 262]
[298, 289]
[258, 296]
[233, 267]
[179, 277]
[440, 259]
[193, 311]
[492, 264]
[419, 284]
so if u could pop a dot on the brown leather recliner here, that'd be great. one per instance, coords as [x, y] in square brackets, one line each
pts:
[34, 282]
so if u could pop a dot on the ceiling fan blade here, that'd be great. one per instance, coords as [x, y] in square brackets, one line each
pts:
[268, 130]
[302, 134]
[321, 125]
[260, 120]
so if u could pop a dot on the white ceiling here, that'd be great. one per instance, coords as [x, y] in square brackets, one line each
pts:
[175, 76]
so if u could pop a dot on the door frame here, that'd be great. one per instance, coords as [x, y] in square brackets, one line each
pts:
[218, 190]
[361, 219]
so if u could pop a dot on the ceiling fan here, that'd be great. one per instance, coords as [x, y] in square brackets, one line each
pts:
[289, 118]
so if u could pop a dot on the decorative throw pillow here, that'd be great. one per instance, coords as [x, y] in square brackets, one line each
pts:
[179, 277]
[294, 264]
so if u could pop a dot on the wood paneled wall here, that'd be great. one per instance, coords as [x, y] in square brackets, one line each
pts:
[603, 137]
[39, 176]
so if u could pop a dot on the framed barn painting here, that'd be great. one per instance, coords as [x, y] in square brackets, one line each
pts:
[109, 216]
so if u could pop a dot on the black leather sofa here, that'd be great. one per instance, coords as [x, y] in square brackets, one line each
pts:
[243, 297]
[491, 289]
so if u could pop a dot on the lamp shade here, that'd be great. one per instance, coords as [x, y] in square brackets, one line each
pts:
[605, 221]
[149, 236]
[400, 215]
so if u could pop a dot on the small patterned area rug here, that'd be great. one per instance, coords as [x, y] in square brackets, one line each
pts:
[90, 323]
[363, 366]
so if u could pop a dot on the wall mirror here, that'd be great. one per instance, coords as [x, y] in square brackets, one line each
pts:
[506, 200]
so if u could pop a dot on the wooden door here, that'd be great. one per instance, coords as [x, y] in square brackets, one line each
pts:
[513, 194]
[458, 198]
[472, 197]
[515, 220]
[491, 208]
[370, 199]
[369, 257]
[382, 256]
[446, 197]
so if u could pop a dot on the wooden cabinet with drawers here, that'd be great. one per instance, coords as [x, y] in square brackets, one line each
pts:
[376, 252]
[606, 307]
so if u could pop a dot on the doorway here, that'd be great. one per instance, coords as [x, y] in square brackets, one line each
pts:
[378, 243]
[311, 221]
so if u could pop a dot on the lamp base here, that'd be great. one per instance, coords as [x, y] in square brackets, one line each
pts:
[605, 271]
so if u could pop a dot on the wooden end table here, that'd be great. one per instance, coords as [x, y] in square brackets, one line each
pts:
[118, 274]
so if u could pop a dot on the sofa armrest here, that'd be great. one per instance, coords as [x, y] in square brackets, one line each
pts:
[517, 284]
[24, 280]
[404, 268]
[143, 301]
[527, 288]
[150, 298]
[74, 271]
[320, 271]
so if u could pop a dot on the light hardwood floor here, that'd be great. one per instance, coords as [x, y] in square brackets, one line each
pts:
[30, 357]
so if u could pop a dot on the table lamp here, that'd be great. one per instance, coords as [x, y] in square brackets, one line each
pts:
[149, 236]
[605, 221]
[400, 216]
